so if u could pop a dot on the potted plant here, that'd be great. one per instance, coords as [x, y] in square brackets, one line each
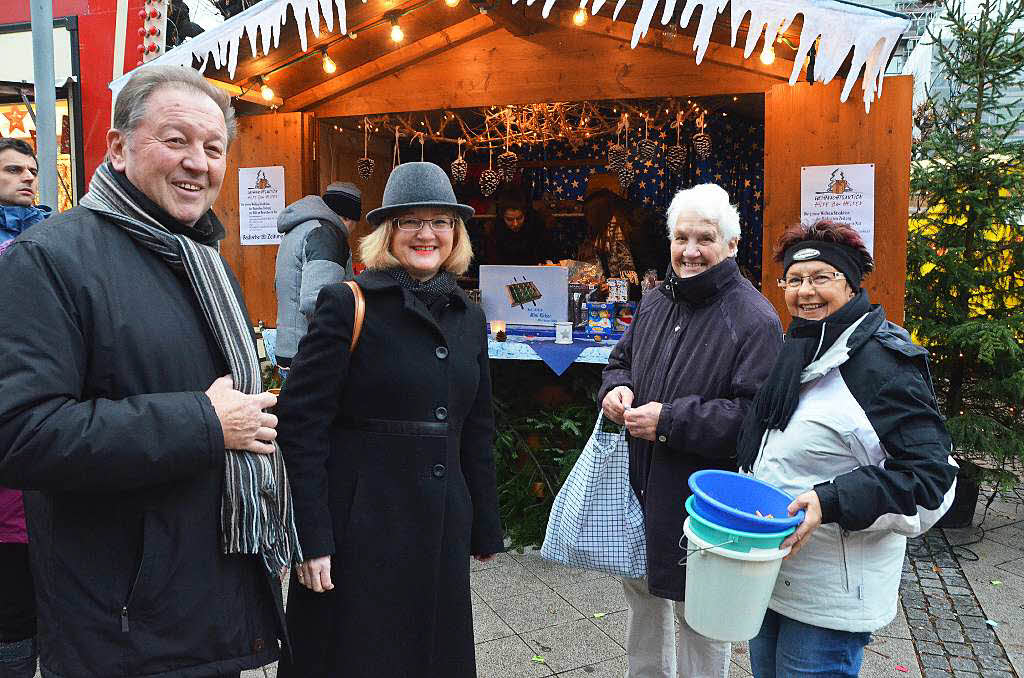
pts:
[965, 254]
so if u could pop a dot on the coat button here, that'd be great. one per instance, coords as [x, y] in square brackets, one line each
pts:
[441, 413]
[439, 470]
[662, 439]
[441, 352]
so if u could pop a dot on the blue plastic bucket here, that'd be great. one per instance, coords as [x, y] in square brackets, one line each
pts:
[732, 500]
[733, 540]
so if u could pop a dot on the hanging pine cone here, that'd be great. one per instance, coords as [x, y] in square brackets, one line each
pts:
[489, 181]
[702, 145]
[626, 176]
[617, 156]
[508, 162]
[459, 169]
[675, 157]
[365, 168]
[647, 149]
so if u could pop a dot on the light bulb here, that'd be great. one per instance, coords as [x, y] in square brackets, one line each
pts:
[452, 3]
[579, 17]
[768, 55]
[266, 92]
[329, 65]
[397, 34]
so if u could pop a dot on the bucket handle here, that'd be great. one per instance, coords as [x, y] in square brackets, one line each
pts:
[682, 561]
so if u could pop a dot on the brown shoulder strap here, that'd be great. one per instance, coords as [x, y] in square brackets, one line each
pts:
[357, 323]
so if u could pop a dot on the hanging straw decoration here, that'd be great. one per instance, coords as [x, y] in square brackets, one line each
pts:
[647, 148]
[702, 141]
[365, 164]
[626, 173]
[489, 179]
[396, 159]
[459, 166]
[508, 160]
[675, 156]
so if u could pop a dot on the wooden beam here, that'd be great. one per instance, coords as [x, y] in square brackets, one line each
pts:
[392, 61]
[515, 21]
[251, 95]
[561, 65]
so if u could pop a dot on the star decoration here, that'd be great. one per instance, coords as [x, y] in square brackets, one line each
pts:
[16, 120]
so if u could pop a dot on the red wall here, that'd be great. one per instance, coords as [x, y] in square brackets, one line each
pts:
[96, 28]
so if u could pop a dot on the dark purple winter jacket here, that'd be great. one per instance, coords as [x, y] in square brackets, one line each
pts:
[703, 355]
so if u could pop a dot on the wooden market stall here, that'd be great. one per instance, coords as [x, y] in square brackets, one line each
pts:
[476, 54]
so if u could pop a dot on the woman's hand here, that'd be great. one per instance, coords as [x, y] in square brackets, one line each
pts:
[642, 422]
[808, 501]
[616, 402]
[315, 574]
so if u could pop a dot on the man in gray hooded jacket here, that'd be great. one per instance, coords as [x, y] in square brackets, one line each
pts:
[314, 252]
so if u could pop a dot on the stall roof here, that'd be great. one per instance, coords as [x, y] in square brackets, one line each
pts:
[846, 33]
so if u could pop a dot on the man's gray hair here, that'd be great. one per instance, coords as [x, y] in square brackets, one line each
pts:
[711, 203]
[132, 102]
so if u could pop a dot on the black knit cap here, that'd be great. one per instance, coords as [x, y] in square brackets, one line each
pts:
[844, 258]
[344, 199]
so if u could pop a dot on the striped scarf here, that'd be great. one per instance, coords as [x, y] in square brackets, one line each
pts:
[256, 513]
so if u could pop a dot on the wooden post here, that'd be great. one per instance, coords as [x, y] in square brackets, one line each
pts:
[807, 125]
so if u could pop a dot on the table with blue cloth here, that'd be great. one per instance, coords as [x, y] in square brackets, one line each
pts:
[540, 345]
[537, 345]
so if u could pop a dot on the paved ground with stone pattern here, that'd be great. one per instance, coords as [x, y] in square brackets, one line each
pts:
[962, 612]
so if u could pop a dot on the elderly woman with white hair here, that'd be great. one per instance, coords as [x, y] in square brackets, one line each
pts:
[389, 451]
[681, 380]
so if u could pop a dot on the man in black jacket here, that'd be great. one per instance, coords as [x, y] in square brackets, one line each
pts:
[682, 379]
[132, 410]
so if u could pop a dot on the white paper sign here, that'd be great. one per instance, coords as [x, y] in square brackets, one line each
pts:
[260, 200]
[842, 193]
[525, 295]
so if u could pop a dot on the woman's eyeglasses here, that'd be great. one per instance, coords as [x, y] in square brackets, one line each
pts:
[439, 225]
[795, 282]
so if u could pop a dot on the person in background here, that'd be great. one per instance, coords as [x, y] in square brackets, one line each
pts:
[681, 380]
[132, 408]
[848, 424]
[313, 252]
[518, 237]
[389, 448]
[19, 171]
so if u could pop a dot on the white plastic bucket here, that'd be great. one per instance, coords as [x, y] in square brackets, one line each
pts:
[727, 592]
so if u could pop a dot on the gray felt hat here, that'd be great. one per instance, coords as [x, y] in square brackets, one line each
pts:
[417, 184]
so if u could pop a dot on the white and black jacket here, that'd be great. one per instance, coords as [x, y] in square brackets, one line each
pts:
[867, 436]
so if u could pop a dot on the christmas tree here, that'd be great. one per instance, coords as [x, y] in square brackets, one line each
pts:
[965, 255]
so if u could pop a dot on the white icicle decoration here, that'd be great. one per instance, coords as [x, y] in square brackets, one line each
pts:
[220, 44]
[842, 27]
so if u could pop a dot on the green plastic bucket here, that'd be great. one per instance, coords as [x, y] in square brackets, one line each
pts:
[733, 540]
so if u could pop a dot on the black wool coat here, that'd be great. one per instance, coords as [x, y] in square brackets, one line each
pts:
[389, 452]
[103, 414]
[703, 355]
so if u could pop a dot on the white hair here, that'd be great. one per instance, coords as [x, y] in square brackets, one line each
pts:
[711, 203]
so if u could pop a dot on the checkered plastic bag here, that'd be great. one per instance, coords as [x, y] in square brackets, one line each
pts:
[596, 522]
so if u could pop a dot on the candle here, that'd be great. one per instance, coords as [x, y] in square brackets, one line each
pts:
[497, 326]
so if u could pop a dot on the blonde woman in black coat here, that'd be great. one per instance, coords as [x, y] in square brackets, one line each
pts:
[389, 451]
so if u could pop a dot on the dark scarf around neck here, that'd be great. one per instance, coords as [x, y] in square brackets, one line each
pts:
[207, 231]
[775, 402]
[703, 287]
[441, 286]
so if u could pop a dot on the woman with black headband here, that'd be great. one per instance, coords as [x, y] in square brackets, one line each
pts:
[847, 423]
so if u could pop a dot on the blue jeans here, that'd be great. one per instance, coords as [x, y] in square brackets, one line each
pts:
[786, 648]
